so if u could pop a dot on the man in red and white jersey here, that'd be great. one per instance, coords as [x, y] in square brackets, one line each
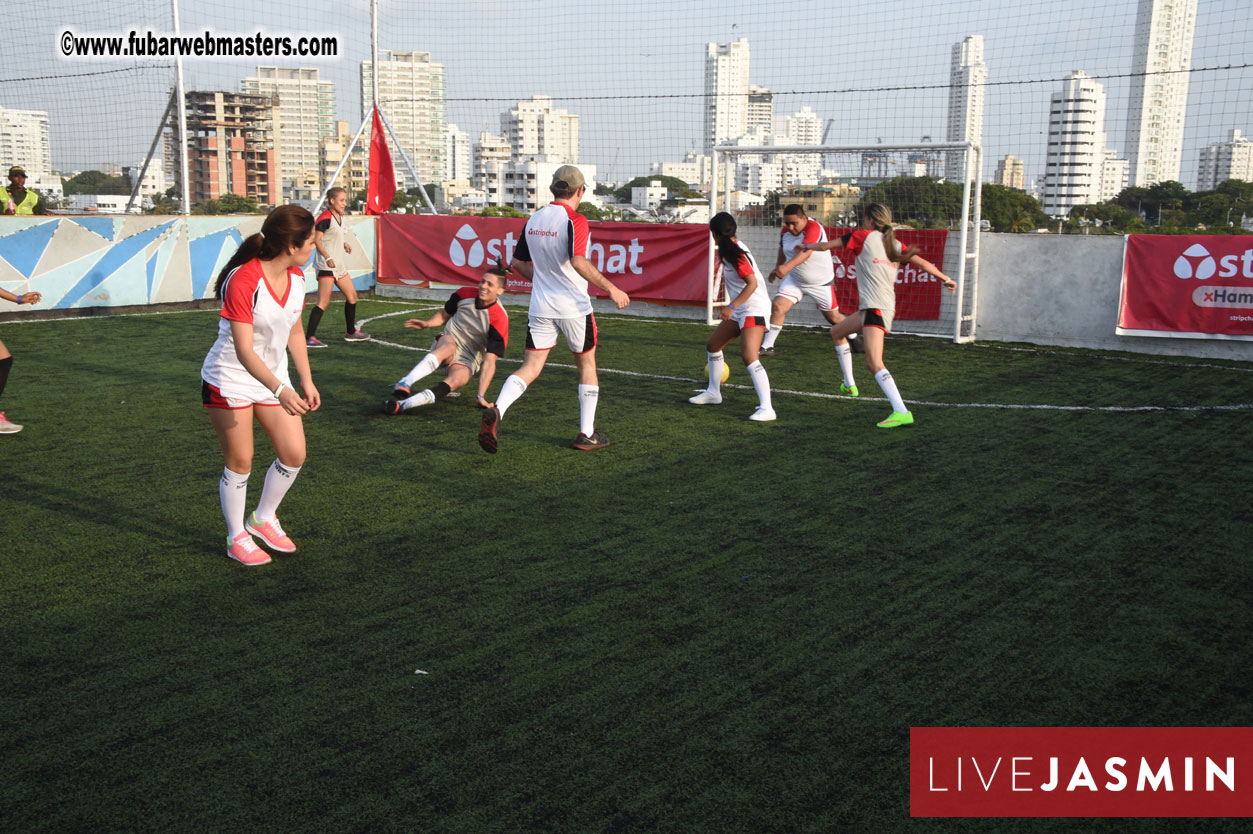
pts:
[553, 255]
[476, 333]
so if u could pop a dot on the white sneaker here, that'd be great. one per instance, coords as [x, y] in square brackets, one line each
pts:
[762, 414]
[7, 426]
[705, 398]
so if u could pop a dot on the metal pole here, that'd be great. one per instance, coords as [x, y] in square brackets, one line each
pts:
[961, 246]
[153, 149]
[374, 52]
[412, 171]
[181, 92]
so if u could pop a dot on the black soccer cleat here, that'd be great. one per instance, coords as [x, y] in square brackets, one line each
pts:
[487, 432]
[586, 444]
[400, 392]
[391, 407]
[766, 351]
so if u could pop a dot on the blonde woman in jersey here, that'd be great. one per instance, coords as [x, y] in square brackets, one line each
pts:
[879, 257]
[332, 246]
[744, 317]
[245, 376]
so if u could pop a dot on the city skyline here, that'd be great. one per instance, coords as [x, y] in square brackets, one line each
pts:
[624, 136]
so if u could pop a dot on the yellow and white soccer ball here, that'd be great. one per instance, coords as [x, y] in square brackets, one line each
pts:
[726, 371]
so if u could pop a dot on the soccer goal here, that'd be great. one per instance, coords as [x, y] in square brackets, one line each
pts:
[932, 189]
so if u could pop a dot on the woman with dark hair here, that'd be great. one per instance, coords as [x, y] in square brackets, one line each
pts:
[7, 426]
[245, 375]
[879, 256]
[744, 316]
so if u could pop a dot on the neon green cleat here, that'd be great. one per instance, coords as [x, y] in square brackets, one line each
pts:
[851, 390]
[897, 418]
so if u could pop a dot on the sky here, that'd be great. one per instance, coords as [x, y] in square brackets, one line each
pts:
[634, 72]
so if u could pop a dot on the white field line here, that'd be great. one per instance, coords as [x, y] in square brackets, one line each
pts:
[826, 396]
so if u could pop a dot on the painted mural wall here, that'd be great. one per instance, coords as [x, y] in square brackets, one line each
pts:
[118, 261]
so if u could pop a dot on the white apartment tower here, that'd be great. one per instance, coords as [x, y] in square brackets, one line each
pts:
[1230, 160]
[1010, 173]
[457, 153]
[535, 129]
[24, 142]
[1159, 89]
[411, 96]
[1074, 164]
[804, 127]
[305, 116]
[726, 92]
[967, 75]
[760, 110]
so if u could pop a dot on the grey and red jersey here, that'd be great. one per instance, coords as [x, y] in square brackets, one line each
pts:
[552, 236]
[331, 225]
[734, 274]
[475, 328]
[818, 269]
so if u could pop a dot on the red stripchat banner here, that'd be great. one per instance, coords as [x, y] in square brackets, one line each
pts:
[1195, 286]
[1081, 771]
[917, 293]
[649, 262]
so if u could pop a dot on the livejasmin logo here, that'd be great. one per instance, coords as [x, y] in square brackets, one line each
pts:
[466, 250]
[1023, 775]
[1197, 262]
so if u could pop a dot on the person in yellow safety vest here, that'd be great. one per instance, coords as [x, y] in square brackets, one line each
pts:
[19, 199]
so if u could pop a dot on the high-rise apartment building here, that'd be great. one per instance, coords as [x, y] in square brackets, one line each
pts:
[457, 153]
[535, 129]
[726, 92]
[1010, 173]
[24, 142]
[411, 96]
[1159, 89]
[305, 116]
[804, 127]
[967, 76]
[1076, 146]
[354, 175]
[230, 147]
[760, 115]
[488, 159]
[1230, 160]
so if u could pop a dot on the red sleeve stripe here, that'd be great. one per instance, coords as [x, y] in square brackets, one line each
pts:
[580, 236]
[813, 232]
[499, 321]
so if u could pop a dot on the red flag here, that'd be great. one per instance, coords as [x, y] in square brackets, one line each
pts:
[382, 179]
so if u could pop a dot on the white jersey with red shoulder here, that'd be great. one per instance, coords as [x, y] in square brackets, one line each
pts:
[876, 272]
[734, 274]
[331, 225]
[552, 236]
[247, 296]
[475, 328]
[818, 269]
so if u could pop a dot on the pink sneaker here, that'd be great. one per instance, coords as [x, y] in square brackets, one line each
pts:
[245, 551]
[271, 533]
[8, 427]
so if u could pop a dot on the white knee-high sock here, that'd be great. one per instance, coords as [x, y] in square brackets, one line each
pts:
[233, 493]
[277, 481]
[772, 333]
[845, 354]
[428, 365]
[589, 396]
[421, 398]
[715, 372]
[761, 382]
[884, 378]
[509, 393]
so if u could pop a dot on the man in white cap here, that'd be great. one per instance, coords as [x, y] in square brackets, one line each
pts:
[553, 255]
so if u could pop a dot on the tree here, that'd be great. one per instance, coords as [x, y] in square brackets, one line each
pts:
[501, 211]
[591, 211]
[96, 182]
[919, 201]
[1010, 210]
[228, 204]
[675, 187]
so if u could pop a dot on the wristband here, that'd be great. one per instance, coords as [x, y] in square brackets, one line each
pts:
[18, 300]
[732, 307]
[279, 389]
[481, 397]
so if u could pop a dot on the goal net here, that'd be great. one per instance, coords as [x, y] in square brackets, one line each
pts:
[932, 191]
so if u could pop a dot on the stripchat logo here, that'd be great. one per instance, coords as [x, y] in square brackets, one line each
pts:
[1196, 262]
[467, 250]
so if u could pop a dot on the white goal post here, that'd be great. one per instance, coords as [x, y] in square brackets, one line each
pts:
[909, 178]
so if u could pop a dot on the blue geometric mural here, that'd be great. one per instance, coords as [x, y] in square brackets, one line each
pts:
[79, 262]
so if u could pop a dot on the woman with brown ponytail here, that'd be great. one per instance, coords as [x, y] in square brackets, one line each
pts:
[245, 375]
[878, 258]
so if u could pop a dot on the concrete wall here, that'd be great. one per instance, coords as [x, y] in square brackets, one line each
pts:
[78, 262]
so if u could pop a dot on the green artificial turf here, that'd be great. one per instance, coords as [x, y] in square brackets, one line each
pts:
[712, 625]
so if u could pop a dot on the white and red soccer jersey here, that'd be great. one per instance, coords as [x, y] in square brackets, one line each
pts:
[331, 226]
[734, 275]
[876, 273]
[474, 328]
[553, 235]
[247, 296]
[818, 269]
